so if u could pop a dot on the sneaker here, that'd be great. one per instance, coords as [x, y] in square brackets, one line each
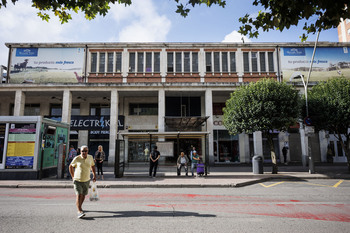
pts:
[81, 214]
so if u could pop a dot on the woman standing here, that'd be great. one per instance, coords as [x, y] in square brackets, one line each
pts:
[99, 157]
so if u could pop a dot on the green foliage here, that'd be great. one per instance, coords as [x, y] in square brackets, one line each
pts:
[280, 15]
[329, 105]
[262, 106]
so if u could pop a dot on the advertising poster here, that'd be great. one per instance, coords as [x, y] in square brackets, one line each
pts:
[47, 65]
[21, 146]
[329, 62]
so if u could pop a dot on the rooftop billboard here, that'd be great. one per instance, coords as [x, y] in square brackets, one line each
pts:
[329, 62]
[47, 65]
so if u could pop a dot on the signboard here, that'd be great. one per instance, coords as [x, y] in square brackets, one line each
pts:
[166, 149]
[47, 65]
[94, 123]
[329, 62]
[21, 146]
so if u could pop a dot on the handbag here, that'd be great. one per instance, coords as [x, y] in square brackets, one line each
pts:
[94, 193]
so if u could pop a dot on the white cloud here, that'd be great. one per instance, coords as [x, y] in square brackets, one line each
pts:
[234, 36]
[140, 22]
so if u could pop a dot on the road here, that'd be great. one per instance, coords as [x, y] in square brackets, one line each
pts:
[306, 206]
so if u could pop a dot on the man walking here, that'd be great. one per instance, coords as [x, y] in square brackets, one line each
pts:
[154, 157]
[71, 155]
[80, 172]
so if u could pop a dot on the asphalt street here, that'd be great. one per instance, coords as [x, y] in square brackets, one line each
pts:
[276, 206]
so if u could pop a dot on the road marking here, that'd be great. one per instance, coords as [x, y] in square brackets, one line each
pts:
[312, 184]
[271, 185]
[337, 184]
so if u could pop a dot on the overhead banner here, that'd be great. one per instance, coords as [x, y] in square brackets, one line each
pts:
[328, 62]
[47, 65]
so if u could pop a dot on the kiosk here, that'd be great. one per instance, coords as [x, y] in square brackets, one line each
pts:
[32, 147]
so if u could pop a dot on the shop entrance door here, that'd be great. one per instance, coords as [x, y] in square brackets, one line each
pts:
[337, 150]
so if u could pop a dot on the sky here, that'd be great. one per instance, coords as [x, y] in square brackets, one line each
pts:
[143, 21]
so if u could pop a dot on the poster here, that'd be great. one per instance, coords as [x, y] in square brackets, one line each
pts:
[329, 62]
[21, 146]
[47, 65]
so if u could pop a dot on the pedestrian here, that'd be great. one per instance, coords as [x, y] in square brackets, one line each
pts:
[71, 155]
[284, 152]
[154, 157]
[195, 161]
[99, 158]
[146, 152]
[182, 161]
[80, 172]
[193, 151]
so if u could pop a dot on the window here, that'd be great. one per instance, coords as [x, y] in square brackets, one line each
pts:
[157, 62]
[102, 63]
[271, 65]
[233, 61]
[147, 62]
[32, 110]
[110, 62]
[185, 62]
[246, 61]
[217, 108]
[132, 62]
[118, 63]
[219, 62]
[140, 62]
[254, 58]
[99, 110]
[143, 109]
[56, 110]
[170, 62]
[254, 62]
[93, 62]
[262, 62]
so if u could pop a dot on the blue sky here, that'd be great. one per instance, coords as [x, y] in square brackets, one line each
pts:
[143, 21]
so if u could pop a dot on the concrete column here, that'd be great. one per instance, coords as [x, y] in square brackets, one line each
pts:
[258, 143]
[161, 110]
[210, 125]
[113, 128]
[66, 106]
[323, 145]
[244, 153]
[84, 134]
[20, 99]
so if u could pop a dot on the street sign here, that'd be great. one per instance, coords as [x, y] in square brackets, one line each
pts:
[307, 121]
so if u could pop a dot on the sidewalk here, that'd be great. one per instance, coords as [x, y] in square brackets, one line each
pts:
[224, 176]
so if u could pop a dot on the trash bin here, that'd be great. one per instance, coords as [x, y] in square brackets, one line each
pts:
[258, 164]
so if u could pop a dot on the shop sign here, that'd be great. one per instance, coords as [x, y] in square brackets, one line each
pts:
[94, 123]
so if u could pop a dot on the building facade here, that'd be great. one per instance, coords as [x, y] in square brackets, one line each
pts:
[165, 94]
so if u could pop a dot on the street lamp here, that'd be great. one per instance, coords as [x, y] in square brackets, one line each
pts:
[308, 130]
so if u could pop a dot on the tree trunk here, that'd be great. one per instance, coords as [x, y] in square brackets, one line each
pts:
[273, 154]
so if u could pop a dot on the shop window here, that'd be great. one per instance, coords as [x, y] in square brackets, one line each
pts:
[32, 110]
[56, 110]
[226, 146]
[143, 109]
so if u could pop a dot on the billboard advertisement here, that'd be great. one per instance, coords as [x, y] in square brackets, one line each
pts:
[329, 62]
[47, 65]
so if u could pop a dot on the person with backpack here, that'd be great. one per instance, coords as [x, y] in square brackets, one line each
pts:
[154, 157]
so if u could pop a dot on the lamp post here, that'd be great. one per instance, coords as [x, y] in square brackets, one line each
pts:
[307, 121]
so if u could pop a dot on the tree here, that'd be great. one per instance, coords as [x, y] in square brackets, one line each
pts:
[284, 14]
[278, 15]
[266, 105]
[329, 109]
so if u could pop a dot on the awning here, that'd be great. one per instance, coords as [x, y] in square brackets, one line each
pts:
[145, 135]
[184, 123]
